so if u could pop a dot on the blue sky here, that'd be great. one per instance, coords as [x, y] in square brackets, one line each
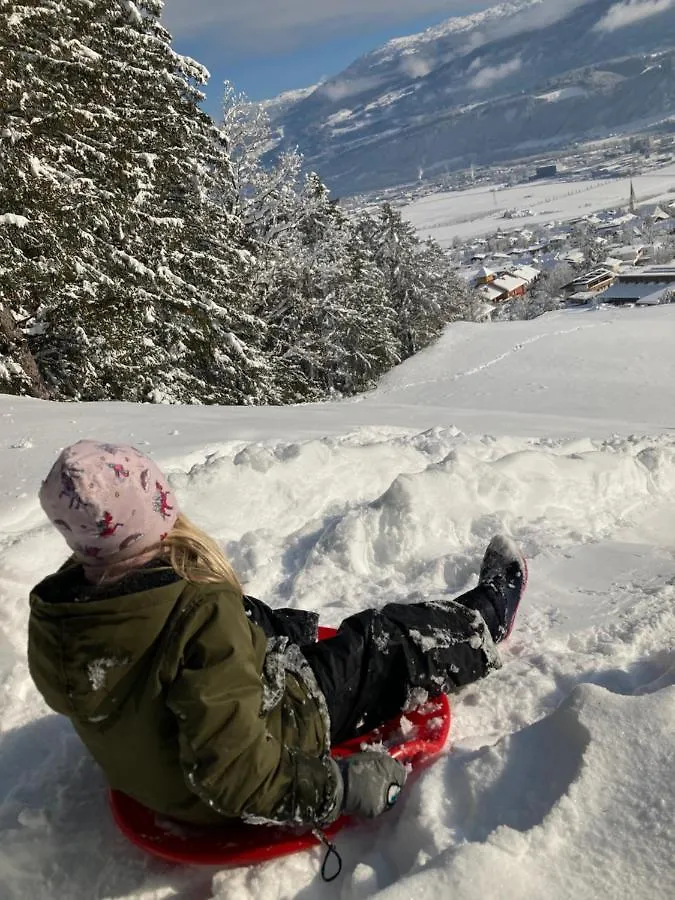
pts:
[268, 46]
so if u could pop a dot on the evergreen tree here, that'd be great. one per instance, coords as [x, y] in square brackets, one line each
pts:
[35, 232]
[18, 371]
[147, 255]
[373, 349]
[319, 290]
[327, 307]
[266, 196]
[131, 263]
[299, 303]
[424, 293]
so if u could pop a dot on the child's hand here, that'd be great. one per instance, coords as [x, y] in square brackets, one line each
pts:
[372, 783]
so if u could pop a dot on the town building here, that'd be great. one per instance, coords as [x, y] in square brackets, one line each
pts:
[616, 224]
[529, 274]
[659, 215]
[575, 257]
[510, 286]
[485, 276]
[593, 282]
[630, 255]
[650, 286]
[493, 294]
[507, 283]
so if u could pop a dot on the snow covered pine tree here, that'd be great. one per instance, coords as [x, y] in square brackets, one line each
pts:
[424, 291]
[323, 298]
[130, 265]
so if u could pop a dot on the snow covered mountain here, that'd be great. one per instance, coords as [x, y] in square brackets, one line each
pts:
[278, 106]
[516, 79]
[558, 779]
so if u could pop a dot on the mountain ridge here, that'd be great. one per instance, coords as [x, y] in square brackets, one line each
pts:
[496, 65]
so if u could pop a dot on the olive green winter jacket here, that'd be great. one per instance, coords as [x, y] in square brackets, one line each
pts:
[180, 699]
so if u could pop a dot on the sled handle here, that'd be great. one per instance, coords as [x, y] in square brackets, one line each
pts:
[408, 753]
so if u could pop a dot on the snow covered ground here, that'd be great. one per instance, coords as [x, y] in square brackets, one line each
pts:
[558, 782]
[480, 211]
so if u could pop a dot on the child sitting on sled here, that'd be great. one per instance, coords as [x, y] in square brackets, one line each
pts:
[203, 703]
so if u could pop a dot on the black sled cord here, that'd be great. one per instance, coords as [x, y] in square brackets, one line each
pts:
[331, 850]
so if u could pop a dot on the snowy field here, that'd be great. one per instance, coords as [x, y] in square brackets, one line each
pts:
[558, 781]
[480, 211]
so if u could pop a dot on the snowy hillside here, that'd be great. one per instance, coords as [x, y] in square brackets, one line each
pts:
[558, 781]
[280, 104]
[515, 80]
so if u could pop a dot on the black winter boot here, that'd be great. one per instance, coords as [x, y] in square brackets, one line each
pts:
[501, 584]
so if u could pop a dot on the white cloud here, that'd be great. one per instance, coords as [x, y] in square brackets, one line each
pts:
[416, 66]
[343, 88]
[539, 15]
[630, 11]
[493, 74]
[244, 26]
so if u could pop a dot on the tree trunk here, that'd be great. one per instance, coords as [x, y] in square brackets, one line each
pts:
[14, 346]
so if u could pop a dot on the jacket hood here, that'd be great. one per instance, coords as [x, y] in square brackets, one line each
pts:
[86, 643]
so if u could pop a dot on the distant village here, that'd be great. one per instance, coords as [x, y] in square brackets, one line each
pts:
[620, 257]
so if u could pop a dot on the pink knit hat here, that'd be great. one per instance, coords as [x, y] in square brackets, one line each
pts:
[111, 503]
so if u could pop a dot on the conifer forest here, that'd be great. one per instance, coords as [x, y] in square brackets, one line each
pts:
[147, 254]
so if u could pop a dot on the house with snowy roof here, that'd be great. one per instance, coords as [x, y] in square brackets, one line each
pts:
[575, 257]
[587, 286]
[659, 215]
[493, 294]
[630, 254]
[650, 286]
[485, 276]
[505, 287]
[616, 224]
[529, 274]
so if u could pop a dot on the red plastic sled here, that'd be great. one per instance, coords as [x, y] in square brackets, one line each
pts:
[412, 738]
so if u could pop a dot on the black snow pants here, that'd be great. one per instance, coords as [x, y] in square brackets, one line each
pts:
[380, 661]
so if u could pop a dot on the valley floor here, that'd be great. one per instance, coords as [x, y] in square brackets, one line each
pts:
[479, 211]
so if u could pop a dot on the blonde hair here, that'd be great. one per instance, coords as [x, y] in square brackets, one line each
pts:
[196, 557]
